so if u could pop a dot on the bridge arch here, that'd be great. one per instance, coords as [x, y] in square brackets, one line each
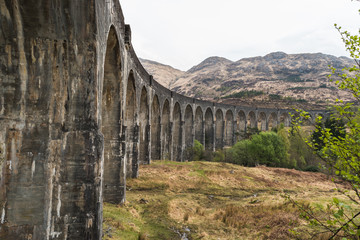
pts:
[285, 119]
[155, 129]
[199, 125]
[219, 129]
[188, 129]
[144, 128]
[111, 97]
[262, 123]
[251, 120]
[132, 131]
[209, 130]
[97, 118]
[177, 133]
[307, 121]
[229, 128]
[241, 125]
[165, 131]
[272, 120]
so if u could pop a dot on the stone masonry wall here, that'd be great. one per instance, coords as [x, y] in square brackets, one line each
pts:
[79, 114]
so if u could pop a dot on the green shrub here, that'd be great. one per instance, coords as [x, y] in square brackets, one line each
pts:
[312, 169]
[275, 97]
[239, 154]
[244, 94]
[266, 148]
[335, 127]
[294, 78]
[198, 151]
[219, 156]
[300, 155]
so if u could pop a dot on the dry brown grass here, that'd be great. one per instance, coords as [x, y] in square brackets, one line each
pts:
[186, 216]
[200, 211]
[272, 222]
[222, 201]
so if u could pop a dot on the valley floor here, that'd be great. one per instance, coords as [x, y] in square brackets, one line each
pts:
[206, 200]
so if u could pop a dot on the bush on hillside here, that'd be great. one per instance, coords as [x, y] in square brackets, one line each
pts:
[265, 148]
[218, 156]
[312, 169]
[299, 151]
[198, 151]
[275, 97]
[244, 94]
[239, 154]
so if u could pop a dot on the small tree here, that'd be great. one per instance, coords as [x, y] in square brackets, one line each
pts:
[238, 154]
[269, 149]
[336, 128]
[340, 149]
[266, 148]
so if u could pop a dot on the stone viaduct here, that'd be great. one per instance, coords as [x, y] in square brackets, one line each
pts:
[79, 114]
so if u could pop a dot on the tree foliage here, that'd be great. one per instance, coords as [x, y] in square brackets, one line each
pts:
[198, 151]
[300, 155]
[337, 142]
[265, 148]
[335, 126]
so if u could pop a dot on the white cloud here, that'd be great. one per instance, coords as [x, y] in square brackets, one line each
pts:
[183, 33]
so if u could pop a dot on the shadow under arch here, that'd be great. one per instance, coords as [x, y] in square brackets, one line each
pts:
[155, 129]
[165, 131]
[132, 130]
[177, 133]
[199, 125]
[219, 129]
[229, 128]
[251, 120]
[114, 174]
[209, 130]
[272, 121]
[262, 122]
[189, 137]
[144, 128]
[241, 125]
[285, 119]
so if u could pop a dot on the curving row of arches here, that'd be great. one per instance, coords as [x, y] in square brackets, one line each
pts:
[140, 123]
[85, 115]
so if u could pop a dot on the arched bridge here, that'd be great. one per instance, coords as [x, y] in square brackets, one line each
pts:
[78, 114]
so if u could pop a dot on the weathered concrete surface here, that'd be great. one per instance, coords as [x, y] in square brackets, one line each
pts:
[78, 114]
[51, 173]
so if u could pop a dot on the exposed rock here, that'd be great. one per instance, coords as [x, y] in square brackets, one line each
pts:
[299, 76]
[164, 74]
[144, 201]
[211, 62]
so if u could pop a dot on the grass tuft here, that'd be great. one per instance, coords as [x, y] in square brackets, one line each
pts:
[186, 216]
[143, 236]
[273, 220]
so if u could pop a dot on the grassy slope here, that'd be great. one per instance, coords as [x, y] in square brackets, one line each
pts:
[213, 201]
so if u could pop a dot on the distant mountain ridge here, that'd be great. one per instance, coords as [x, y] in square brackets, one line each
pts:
[163, 74]
[209, 62]
[277, 75]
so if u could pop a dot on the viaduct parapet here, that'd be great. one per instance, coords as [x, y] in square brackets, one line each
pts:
[79, 114]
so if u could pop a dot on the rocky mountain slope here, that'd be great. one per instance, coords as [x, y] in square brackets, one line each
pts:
[163, 74]
[276, 77]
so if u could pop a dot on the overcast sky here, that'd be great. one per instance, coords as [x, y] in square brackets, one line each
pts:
[182, 33]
